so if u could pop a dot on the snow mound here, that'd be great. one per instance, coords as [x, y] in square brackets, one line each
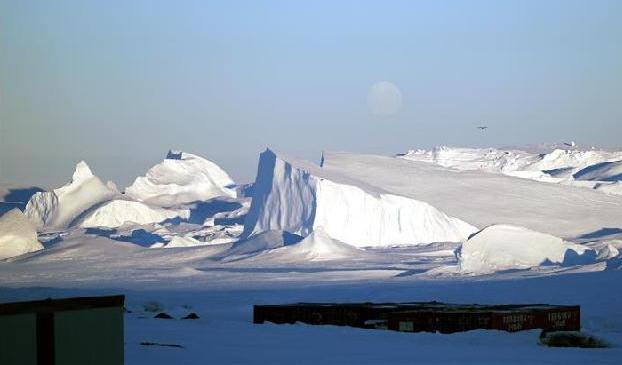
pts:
[57, 209]
[604, 171]
[297, 196]
[318, 246]
[118, 212]
[17, 235]
[505, 247]
[181, 178]
[256, 244]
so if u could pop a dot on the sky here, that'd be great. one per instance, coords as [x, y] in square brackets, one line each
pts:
[118, 83]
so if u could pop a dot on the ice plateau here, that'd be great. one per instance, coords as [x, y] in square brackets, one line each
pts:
[483, 199]
[504, 247]
[181, 178]
[57, 209]
[17, 235]
[297, 196]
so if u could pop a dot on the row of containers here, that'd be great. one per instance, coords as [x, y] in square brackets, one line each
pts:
[425, 317]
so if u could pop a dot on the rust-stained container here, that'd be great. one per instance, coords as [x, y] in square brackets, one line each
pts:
[363, 315]
[428, 317]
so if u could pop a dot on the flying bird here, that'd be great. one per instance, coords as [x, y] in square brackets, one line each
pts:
[482, 127]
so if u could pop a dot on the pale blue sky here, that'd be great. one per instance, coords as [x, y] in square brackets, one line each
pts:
[118, 83]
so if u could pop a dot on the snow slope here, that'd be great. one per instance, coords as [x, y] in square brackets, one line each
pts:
[503, 247]
[484, 199]
[181, 178]
[17, 235]
[297, 196]
[609, 188]
[118, 212]
[57, 209]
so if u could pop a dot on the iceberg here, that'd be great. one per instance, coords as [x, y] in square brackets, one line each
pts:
[297, 196]
[181, 178]
[17, 235]
[505, 247]
[57, 209]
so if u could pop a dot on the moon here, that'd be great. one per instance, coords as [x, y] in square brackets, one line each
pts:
[384, 98]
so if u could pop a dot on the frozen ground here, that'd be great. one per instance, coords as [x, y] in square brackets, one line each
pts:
[225, 273]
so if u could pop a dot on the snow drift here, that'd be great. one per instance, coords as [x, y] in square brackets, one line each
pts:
[116, 213]
[183, 241]
[318, 246]
[17, 235]
[57, 209]
[181, 178]
[504, 247]
[297, 196]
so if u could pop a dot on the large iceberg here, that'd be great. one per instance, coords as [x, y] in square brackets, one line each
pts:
[17, 235]
[57, 209]
[181, 178]
[297, 197]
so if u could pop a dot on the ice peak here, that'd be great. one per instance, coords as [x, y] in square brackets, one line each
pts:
[81, 172]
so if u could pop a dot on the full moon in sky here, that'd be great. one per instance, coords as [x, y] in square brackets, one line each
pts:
[384, 98]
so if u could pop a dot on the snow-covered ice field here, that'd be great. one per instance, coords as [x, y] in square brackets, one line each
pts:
[357, 228]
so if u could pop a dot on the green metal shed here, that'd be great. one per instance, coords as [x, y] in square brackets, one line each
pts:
[80, 330]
